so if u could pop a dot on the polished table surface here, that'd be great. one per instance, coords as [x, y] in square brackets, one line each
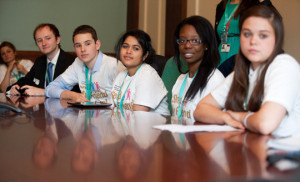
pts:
[55, 142]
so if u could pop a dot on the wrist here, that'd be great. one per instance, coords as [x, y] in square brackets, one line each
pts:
[226, 118]
[9, 69]
[246, 118]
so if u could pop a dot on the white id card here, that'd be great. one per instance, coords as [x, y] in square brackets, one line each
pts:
[225, 48]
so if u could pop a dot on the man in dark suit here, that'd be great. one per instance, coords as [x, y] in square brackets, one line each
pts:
[47, 67]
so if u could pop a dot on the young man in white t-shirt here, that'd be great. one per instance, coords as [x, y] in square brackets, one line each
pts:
[92, 70]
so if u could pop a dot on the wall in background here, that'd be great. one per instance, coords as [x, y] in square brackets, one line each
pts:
[18, 18]
[289, 12]
[152, 20]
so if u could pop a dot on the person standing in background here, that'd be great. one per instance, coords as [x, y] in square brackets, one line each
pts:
[12, 69]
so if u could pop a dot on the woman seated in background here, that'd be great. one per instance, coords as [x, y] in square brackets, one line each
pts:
[263, 92]
[196, 44]
[139, 87]
[12, 69]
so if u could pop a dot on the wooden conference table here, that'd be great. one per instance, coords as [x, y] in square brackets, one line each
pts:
[54, 142]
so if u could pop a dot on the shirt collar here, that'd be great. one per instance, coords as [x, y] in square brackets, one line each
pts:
[54, 60]
[256, 71]
[98, 62]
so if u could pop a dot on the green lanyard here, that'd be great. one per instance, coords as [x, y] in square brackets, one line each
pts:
[181, 92]
[245, 104]
[88, 83]
[17, 76]
[123, 97]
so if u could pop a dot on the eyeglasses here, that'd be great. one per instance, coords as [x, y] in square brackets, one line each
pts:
[193, 42]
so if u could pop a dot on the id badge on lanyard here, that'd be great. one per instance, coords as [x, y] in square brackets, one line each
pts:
[224, 37]
[225, 46]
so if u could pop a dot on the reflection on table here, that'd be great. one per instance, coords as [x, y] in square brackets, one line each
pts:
[56, 142]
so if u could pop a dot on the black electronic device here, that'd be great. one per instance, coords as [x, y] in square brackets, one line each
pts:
[21, 91]
[89, 104]
[6, 107]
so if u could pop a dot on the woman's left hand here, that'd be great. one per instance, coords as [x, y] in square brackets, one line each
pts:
[231, 121]
[239, 116]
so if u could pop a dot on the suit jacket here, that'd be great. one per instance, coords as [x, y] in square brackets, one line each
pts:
[36, 76]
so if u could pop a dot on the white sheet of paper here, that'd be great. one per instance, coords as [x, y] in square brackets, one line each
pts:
[176, 128]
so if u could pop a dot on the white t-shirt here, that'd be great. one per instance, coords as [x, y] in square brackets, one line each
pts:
[102, 79]
[3, 68]
[146, 88]
[189, 107]
[282, 86]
